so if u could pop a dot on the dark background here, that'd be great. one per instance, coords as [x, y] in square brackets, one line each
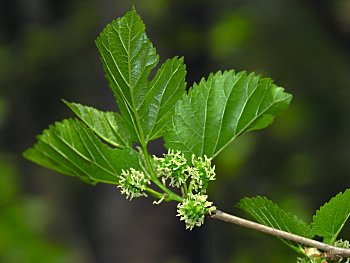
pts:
[47, 52]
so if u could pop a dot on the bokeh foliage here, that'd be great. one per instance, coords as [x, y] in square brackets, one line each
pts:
[47, 53]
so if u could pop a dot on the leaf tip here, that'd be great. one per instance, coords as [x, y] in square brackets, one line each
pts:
[66, 102]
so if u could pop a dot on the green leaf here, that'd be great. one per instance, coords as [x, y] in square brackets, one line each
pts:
[267, 213]
[108, 126]
[71, 148]
[331, 217]
[219, 109]
[128, 57]
[165, 90]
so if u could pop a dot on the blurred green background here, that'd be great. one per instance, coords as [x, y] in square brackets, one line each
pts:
[47, 52]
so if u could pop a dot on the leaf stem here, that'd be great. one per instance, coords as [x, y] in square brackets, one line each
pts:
[184, 189]
[331, 252]
[154, 193]
[154, 178]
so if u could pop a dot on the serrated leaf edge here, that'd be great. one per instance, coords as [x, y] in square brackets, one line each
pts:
[333, 239]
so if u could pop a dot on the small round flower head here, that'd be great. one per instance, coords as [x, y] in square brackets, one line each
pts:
[342, 243]
[201, 172]
[133, 183]
[172, 167]
[193, 210]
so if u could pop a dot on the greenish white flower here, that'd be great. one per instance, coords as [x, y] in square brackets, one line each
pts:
[342, 243]
[173, 167]
[201, 173]
[193, 210]
[133, 183]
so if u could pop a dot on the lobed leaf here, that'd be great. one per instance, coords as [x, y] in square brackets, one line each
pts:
[219, 109]
[128, 57]
[331, 217]
[269, 214]
[108, 126]
[71, 148]
[165, 90]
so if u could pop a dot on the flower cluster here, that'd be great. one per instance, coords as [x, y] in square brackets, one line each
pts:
[193, 210]
[133, 183]
[173, 167]
[201, 173]
[192, 177]
[342, 243]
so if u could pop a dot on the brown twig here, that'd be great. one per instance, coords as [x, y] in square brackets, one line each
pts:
[331, 252]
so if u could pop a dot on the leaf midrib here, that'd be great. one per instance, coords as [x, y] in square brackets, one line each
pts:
[85, 157]
[245, 127]
[61, 138]
[334, 236]
[162, 96]
[139, 130]
[104, 120]
[223, 114]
